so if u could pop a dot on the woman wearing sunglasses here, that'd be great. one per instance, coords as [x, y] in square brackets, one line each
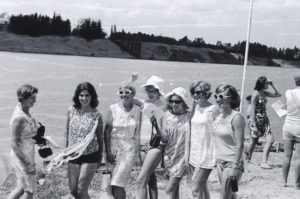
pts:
[153, 106]
[121, 136]
[228, 129]
[259, 124]
[201, 146]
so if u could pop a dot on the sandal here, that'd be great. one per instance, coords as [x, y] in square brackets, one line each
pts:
[265, 166]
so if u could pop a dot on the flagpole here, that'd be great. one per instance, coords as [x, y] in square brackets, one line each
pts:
[246, 54]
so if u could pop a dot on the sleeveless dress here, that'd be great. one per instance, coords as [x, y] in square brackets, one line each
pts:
[177, 126]
[262, 120]
[202, 149]
[124, 142]
[81, 123]
[226, 141]
[26, 175]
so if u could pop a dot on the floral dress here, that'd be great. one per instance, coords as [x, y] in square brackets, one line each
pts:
[124, 142]
[26, 174]
[177, 127]
[262, 120]
[81, 123]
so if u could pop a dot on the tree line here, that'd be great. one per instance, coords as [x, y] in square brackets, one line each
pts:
[38, 25]
[255, 49]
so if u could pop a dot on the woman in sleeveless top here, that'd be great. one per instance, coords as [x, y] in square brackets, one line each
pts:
[152, 106]
[291, 133]
[201, 148]
[122, 132]
[81, 119]
[23, 128]
[260, 124]
[228, 129]
[176, 128]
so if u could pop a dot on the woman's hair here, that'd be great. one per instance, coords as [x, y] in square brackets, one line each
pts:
[260, 83]
[90, 88]
[204, 85]
[25, 91]
[232, 92]
[169, 107]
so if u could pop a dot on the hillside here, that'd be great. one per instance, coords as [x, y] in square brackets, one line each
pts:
[71, 45]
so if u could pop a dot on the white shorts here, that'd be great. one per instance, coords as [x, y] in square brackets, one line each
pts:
[291, 132]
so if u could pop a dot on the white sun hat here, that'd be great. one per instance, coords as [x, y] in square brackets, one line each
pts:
[181, 92]
[154, 81]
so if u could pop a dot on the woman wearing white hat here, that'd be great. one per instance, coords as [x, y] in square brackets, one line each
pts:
[291, 132]
[152, 106]
[175, 127]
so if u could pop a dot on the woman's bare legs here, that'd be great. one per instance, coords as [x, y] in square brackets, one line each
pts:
[266, 152]
[199, 188]
[288, 153]
[150, 163]
[172, 188]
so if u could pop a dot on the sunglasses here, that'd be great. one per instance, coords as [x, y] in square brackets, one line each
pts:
[221, 96]
[175, 101]
[126, 92]
[198, 93]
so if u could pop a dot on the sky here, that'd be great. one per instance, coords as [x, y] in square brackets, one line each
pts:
[274, 22]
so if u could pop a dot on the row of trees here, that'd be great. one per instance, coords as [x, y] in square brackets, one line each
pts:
[255, 49]
[39, 25]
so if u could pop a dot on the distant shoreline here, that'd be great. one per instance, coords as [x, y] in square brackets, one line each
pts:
[72, 45]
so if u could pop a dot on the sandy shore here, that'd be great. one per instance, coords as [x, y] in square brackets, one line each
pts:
[256, 183]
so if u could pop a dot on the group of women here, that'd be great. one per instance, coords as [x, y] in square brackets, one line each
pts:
[200, 136]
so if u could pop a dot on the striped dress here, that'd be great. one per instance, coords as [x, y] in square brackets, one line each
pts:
[177, 126]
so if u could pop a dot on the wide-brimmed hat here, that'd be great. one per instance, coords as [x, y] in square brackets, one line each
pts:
[154, 81]
[181, 92]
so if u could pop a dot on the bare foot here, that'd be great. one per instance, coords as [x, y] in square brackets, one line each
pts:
[265, 166]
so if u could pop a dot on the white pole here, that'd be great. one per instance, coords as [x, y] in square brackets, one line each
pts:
[246, 54]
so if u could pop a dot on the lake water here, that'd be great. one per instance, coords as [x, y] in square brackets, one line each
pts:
[56, 76]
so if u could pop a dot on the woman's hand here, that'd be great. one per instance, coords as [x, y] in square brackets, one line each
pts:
[233, 173]
[110, 158]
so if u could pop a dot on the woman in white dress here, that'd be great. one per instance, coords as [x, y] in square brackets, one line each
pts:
[202, 155]
[23, 128]
[121, 136]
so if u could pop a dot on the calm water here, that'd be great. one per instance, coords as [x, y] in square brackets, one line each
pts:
[56, 76]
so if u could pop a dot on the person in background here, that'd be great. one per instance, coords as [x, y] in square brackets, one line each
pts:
[228, 129]
[291, 133]
[152, 106]
[81, 119]
[121, 136]
[202, 155]
[23, 128]
[248, 112]
[260, 124]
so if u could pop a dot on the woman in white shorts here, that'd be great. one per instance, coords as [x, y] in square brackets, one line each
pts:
[291, 132]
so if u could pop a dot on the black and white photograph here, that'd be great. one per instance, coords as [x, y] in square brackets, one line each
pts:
[149, 99]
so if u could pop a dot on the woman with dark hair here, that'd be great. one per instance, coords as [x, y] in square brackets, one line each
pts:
[201, 145]
[259, 121]
[121, 136]
[291, 133]
[228, 129]
[82, 118]
[23, 129]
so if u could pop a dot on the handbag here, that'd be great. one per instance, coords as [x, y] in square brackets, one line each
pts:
[155, 137]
